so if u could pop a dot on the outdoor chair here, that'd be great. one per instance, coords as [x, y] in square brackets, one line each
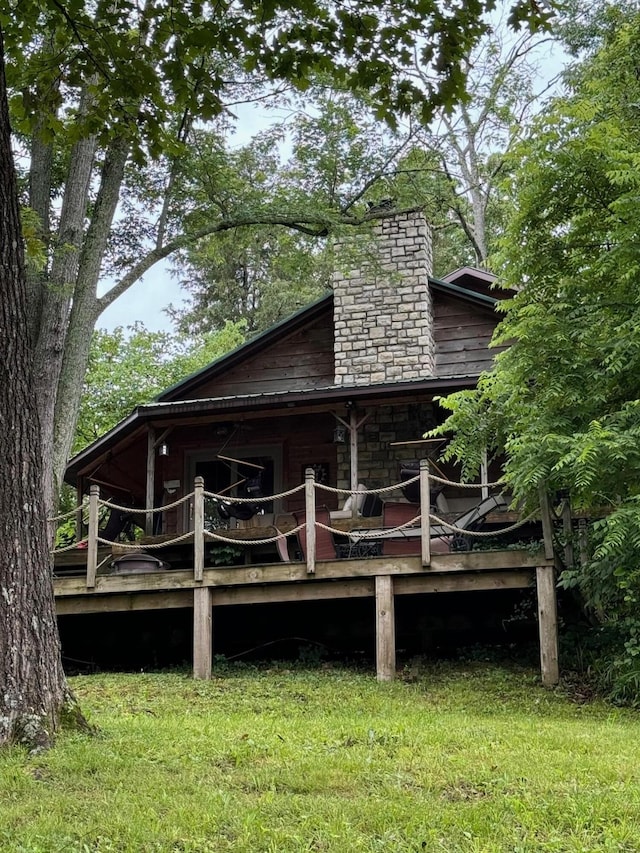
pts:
[410, 469]
[325, 543]
[395, 514]
[119, 524]
[442, 539]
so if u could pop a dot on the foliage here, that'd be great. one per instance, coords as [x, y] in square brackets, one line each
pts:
[564, 399]
[129, 367]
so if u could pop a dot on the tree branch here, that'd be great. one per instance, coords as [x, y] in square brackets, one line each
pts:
[315, 226]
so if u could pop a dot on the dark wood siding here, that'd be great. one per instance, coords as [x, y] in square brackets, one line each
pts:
[302, 360]
[462, 333]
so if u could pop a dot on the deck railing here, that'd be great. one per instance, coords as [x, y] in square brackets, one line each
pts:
[198, 533]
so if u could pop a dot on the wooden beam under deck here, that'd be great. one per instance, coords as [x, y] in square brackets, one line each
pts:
[278, 573]
[292, 592]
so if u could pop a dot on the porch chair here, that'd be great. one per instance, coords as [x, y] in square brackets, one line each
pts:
[410, 469]
[443, 539]
[393, 515]
[119, 524]
[325, 543]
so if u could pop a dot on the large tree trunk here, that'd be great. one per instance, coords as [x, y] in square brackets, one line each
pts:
[33, 688]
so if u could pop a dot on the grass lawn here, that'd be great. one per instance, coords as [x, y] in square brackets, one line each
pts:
[459, 758]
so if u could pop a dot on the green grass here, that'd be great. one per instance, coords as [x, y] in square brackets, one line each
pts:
[463, 758]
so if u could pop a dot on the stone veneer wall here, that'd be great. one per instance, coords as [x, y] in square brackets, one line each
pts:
[383, 313]
[378, 463]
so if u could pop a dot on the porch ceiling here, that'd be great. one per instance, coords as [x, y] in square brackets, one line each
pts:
[276, 402]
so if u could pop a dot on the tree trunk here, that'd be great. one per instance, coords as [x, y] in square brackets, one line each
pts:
[33, 688]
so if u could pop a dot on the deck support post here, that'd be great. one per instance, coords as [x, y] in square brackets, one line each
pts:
[202, 632]
[92, 544]
[198, 528]
[310, 518]
[548, 625]
[385, 629]
[425, 511]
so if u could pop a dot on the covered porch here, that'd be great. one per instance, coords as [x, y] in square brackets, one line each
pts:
[412, 557]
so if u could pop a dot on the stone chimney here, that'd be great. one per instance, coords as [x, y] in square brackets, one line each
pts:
[383, 314]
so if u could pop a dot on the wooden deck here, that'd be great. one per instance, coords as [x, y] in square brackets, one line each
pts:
[382, 578]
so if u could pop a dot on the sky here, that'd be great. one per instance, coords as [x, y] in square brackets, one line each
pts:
[145, 302]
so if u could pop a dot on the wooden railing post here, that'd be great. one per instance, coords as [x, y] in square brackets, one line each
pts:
[425, 511]
[198, 529]
[545, 517]
[310, 517]
[92, 544]
[567, 530]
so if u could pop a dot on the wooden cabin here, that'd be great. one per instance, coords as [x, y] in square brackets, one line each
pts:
[343, 389]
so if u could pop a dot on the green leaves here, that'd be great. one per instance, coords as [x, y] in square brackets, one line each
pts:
[564, 400]
[151, 56]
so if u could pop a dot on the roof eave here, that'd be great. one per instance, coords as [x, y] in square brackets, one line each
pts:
[258, 402]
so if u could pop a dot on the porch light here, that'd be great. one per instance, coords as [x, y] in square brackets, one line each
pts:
[339, 435]
[163, 449]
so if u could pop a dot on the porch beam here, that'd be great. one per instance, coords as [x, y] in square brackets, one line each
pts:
[442, 565]
[288, 592]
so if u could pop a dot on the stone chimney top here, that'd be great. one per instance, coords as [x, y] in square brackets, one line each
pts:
[383, 312]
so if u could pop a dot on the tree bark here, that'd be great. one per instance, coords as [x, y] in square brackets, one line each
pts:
[33, 688]
[58, 293]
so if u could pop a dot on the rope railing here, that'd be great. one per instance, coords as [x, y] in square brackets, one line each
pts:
[381, 491]
[419, 525]
[64, 515]
[257, 500]
[209, 534]
[358, 536]
[146, 546]
[483, 534]
[137, 511]
[434, 478]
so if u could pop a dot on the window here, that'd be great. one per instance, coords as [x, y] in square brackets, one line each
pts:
[239, 473]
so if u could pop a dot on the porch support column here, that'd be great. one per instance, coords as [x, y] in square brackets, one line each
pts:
[151, 480]
[202, 632]
[353, 451]
[385, 629]
[548, 625]
[310, 518]
[79, 497]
